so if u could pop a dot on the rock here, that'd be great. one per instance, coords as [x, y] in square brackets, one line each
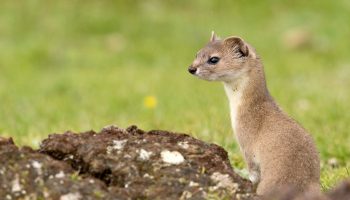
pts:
[129, 164]
[135, 164]
[27, 174]
[119, 164]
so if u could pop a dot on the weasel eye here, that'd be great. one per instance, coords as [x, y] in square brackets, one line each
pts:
[213, 60]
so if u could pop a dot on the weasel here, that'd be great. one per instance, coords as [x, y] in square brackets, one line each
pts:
[277, 150]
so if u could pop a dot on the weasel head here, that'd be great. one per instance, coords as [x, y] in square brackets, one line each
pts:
[224, 60]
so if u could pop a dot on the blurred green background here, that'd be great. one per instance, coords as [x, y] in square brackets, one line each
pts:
[80, 65]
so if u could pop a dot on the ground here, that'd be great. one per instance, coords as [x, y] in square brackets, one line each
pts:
[120, 164]
[81, 65]
[129, 164]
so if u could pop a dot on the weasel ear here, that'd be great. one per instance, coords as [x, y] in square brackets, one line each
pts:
[213, 37]
[237, 45]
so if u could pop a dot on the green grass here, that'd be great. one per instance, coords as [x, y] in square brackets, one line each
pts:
[80, 65]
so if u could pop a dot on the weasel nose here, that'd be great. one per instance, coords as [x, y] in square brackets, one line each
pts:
[192, 70]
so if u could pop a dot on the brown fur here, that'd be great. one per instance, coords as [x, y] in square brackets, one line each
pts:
[277, 150]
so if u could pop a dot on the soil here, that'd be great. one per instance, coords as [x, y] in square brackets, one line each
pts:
[27, 174]
[118, 164]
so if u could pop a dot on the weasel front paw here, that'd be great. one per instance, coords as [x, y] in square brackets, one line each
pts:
[254, 177]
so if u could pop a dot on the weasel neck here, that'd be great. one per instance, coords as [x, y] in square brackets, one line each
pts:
[234, 92]
[247, 96]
